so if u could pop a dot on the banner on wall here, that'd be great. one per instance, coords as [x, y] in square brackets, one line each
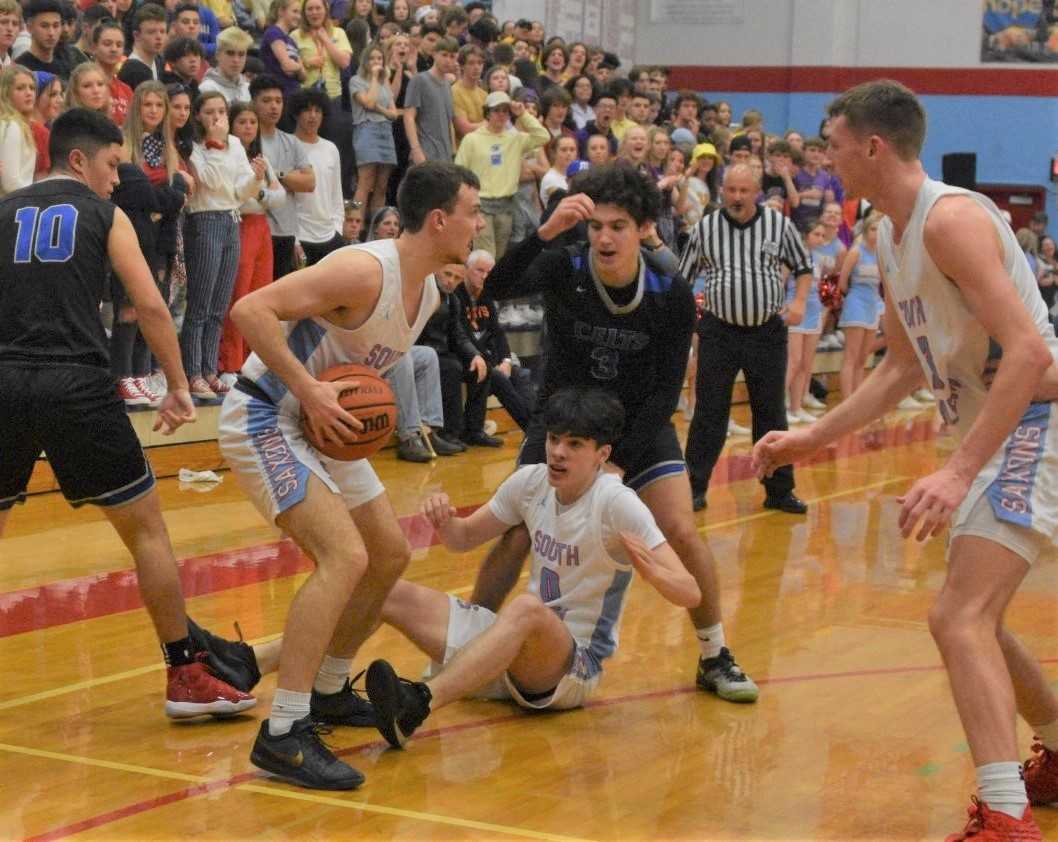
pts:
[1019, 31]
[698, 12]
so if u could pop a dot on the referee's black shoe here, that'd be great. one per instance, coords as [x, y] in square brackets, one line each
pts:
[789, 503]
[303, 758]
[231, 660]
[400, 705]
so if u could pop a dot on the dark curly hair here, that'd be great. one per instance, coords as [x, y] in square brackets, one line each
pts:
[619, 183]
[585, 413]
[305, 99]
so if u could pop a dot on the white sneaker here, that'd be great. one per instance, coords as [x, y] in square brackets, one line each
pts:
[489, 427]
[228, 379]
[157, 383]
[793, 418]
[909, 404]
[923, 396]
[806, 416]
[734, 429]
[812, 402]
[839, 336]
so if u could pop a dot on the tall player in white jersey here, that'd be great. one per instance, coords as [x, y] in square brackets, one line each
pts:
[958, 295]
[362, 304]
[545, 648]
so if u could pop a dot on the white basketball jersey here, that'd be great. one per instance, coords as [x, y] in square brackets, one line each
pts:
[954, 349]
[579, 567]
[379, 342]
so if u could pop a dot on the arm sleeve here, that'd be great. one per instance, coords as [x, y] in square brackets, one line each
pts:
[274, 197]
[507, 504]
[662, 260]
[525, 269]
[794, 253]
[673, 343]
[11, 146]
[206, 170]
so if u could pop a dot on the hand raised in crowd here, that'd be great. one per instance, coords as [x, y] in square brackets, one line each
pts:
[517, 109]
[570, 211]
[218, 128]
[259, 167]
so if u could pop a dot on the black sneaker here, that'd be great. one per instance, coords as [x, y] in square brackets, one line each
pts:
[413, 449]
[400, 705]
[303, 758]
[482, 439]
[231, 660]
[346, 707]
[721, 675]
[789, 503]
[443, 447]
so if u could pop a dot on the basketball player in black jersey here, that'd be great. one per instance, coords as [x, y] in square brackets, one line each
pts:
[614, 322]
[56, 239]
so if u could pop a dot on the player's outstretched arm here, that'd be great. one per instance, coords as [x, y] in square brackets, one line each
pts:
[461, 533]
[123, 249]
[884, 387]
[662, 569]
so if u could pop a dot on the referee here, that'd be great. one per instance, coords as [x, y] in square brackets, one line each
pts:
[741, 250]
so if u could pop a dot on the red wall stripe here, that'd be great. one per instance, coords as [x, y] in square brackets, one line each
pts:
[963, 81]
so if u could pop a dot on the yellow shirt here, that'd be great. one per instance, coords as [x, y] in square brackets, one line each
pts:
[619, 127]
[331, 73]
[468, 102]
[496, 159]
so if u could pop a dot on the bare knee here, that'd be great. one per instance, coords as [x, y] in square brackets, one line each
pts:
[526, 610]
[341, 569]
[389, 565]
[955, 624]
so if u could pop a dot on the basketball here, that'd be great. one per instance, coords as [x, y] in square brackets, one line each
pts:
[371, 403]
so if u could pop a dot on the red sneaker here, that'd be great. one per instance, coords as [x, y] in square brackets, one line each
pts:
[987, 825]
[1041, 775]
[194, 691]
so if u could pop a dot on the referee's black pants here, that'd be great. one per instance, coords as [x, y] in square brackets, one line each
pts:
[723, 350]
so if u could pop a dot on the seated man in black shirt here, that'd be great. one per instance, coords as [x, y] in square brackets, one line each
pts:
[508, 381]
[614, 322]
[459, 363]
[44, 23]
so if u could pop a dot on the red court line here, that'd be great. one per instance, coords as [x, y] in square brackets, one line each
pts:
[214, 786]
[98, 595]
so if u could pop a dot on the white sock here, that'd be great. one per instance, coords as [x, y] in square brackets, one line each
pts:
[1002, 787]
[711, 640]
[332, 675]
[1048, 734]
[288, 707]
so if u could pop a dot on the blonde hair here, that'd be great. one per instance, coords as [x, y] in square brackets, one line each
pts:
[275, 8]
[11, 7]
[8, 112]
[133, 128]
[303, 24]
[234, 38]
[73, 98]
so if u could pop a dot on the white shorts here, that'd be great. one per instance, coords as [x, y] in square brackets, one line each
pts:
[272, 461]
[980, 521]
[467, 621]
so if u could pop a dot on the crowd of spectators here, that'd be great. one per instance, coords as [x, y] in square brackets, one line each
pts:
[260, 137]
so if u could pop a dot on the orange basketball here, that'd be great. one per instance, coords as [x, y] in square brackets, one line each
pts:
[371, 402]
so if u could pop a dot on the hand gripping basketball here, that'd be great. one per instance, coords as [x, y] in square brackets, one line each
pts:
[369, 401]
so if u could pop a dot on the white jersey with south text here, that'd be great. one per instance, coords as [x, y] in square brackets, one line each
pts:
[580, 568]
[378, 343]
[954, 350]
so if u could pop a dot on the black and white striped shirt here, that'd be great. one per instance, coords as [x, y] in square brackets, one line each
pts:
[742, 264]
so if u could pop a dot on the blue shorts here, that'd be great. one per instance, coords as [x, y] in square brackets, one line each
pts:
[373, 143]
[862, 307]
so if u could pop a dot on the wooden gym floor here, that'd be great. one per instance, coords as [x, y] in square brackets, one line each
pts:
[854, 737]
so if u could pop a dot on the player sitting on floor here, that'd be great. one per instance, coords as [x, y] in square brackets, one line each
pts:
[546, 647]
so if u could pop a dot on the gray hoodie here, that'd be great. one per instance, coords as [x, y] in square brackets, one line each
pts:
[233, 91]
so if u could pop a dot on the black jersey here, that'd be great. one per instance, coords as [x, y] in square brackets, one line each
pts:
[638, 351]
[53, 264]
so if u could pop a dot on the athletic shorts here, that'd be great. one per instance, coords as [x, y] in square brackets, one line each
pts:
[271, 460]
[467, 621]
[662, 459]
[74, 416]
[980, 521]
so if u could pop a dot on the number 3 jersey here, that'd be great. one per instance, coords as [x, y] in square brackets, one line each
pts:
[53, 261]
[955, 350]
[632, 342]
[580, 568]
